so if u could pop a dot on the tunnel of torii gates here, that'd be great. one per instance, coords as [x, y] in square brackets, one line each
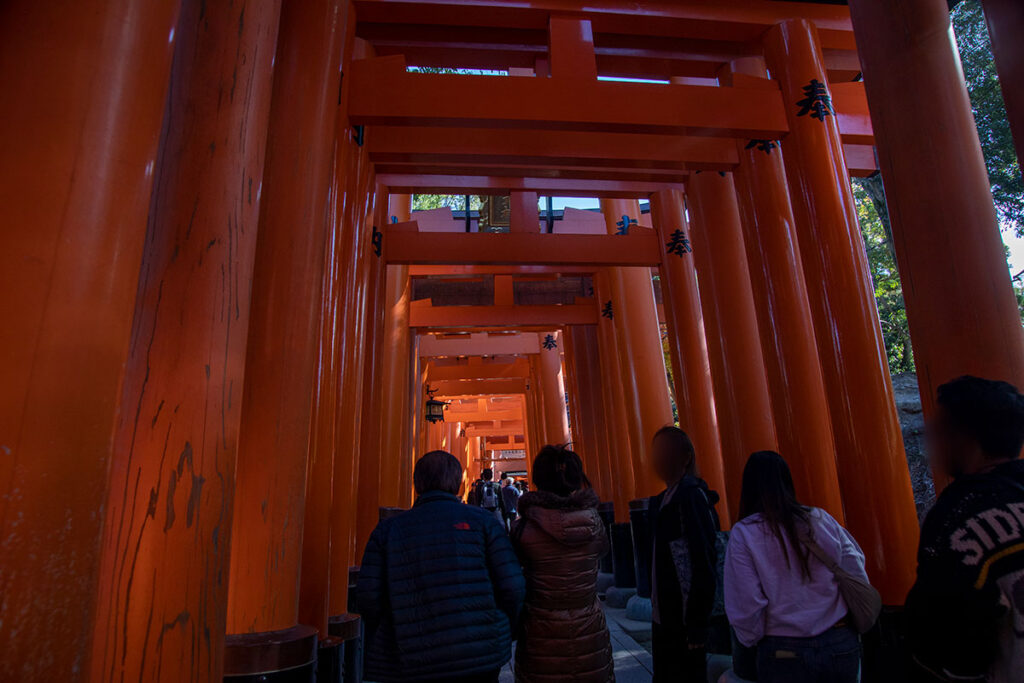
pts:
[220, 318]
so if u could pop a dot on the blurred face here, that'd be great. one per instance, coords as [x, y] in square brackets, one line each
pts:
[949, 450]
[667, 462]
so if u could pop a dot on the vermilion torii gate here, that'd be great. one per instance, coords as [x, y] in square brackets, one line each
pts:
[214, 366]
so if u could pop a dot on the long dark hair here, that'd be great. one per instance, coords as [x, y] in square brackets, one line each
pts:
[768, 489]
[558, 470]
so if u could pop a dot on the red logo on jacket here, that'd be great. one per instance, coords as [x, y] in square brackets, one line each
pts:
[462, 526]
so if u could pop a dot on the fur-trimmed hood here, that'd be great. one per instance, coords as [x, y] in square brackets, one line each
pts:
[572, 520]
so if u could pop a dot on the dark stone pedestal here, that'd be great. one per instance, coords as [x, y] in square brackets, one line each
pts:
[348, 628]
[287, 656]
[643, 544]
[622, 556]
[330, 661]
[607, 512]
[353, 578]
[624, 568]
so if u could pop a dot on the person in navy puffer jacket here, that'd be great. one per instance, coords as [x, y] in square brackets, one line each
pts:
[440, 587]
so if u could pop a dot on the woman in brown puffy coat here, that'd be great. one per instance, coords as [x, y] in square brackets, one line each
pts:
[559, 538]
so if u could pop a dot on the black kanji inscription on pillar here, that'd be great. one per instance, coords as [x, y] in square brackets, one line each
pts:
[817, 101]
[678, 244]
[376, 241]
[765, 146]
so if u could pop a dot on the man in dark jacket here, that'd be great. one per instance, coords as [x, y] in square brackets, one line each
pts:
[965, 613]
[440, 587]
[684, 573]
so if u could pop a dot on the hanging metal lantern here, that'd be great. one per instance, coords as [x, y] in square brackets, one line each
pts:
[434, 408]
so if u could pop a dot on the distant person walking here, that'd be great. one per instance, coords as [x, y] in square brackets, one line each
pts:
[510, 497]
[779, 597]
[440, 588]
[560, 538]
[684, 574]
[487, 494]
[965, 613]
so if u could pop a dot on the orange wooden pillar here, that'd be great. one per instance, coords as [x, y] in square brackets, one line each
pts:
[582, 423]
[872, 464]
[168, 522]
[79, 139]
[960, 304]
[523, 212]
[695, 397]
[742, 400]
[621, 462]
[642, 360]
[581, 348]
[314, 585]
[396, 459]
[281, 360]
[1005, 19]
[355, 230]
[536, 407]
[799, 401]
[553, 387]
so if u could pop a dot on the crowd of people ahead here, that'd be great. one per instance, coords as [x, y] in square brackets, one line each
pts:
[446, 587]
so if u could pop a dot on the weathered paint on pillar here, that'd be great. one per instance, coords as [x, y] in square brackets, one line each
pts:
[396, 460]
[799, 401]
[620, 460]
[742, 401]
[553, 387]
[641, 357]
[315, 579]
[581, 346]
[524, 215]
[877, 495]
[161, 612]
[695, 400]
[356, 233]
[583, 426]
[79, 141]
[281, 358]
[961, 307]
[535, 396]
[1005, 19]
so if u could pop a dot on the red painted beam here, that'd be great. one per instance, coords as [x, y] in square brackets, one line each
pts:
[393, 144]
[553, 172]
[737, 20]
[384, 93]
[505, 317]
[402, 183]
[639, 248]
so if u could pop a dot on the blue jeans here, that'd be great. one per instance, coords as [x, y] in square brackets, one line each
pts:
[832, 657]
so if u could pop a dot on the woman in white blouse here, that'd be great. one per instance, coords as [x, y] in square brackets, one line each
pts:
[778, 596]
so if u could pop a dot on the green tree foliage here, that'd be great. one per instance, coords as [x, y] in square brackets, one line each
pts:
[455, 202]
[892, 312]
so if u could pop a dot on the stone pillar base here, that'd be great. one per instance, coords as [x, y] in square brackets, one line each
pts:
[348, 628]
[638, 608]
[286, 656]
[617, 598]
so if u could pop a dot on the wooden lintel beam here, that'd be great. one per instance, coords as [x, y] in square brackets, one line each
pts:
[503, 317]
[639, 248]
[438, 373]
[484, 387]
[442, 146]
[411, 183]
[384, 93]
[479, 345]
[705, 20]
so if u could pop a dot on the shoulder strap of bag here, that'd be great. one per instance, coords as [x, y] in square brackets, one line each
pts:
[819, 552]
